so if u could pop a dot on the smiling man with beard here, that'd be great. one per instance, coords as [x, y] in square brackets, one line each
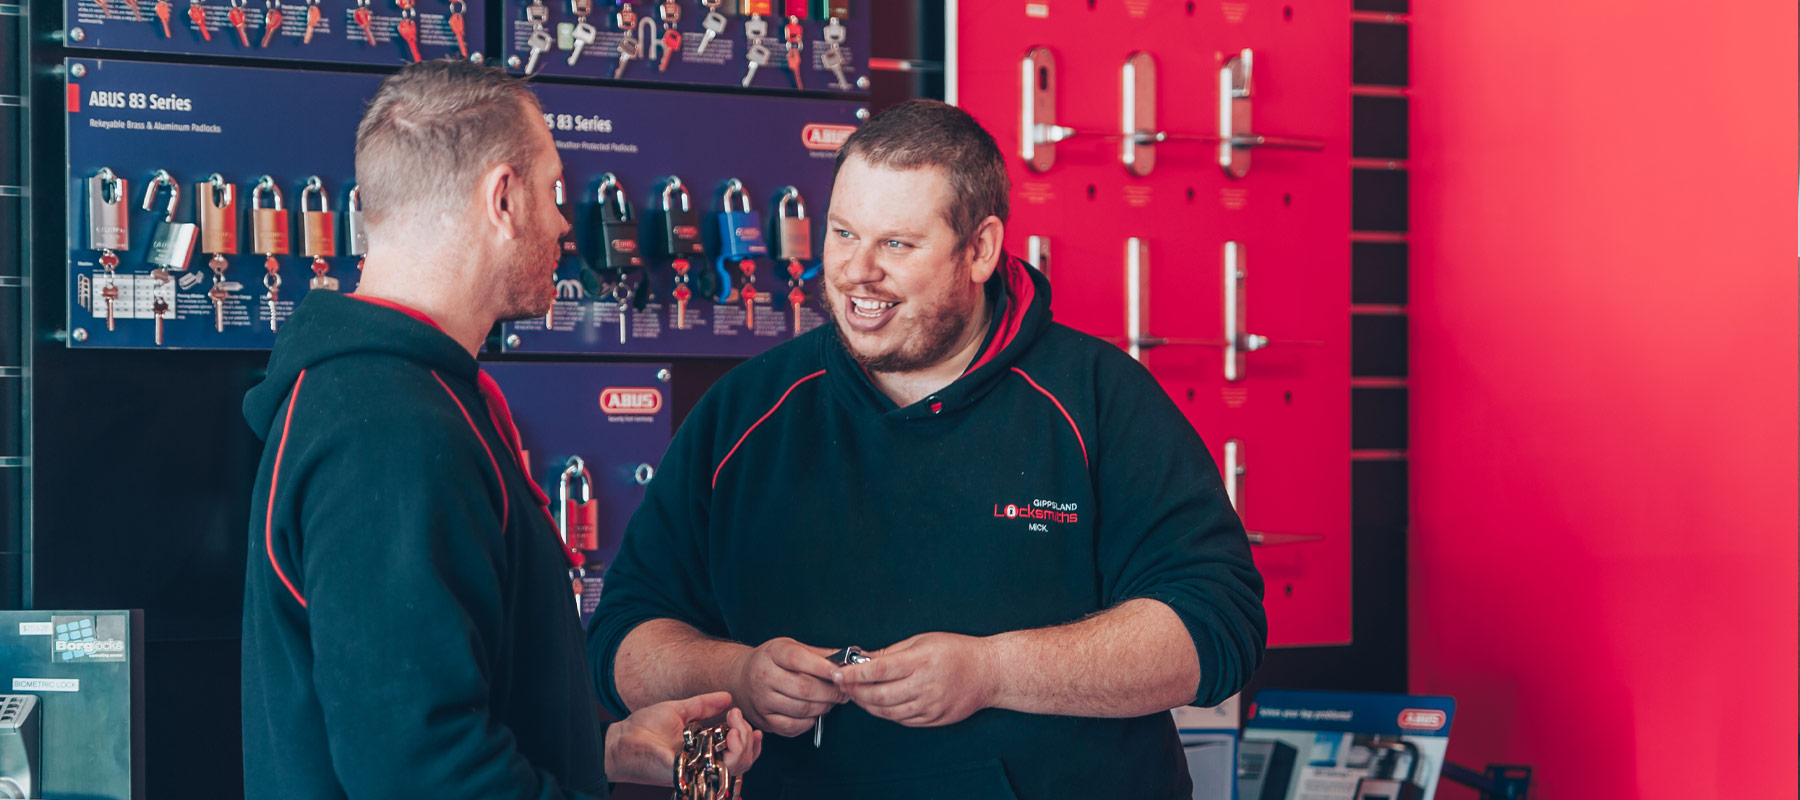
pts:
[408, 630]
[1013, 512]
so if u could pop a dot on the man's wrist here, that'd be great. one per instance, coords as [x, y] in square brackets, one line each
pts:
[992, 654]
[610, 751]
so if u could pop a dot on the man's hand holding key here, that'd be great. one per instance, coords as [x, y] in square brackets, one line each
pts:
[784, 686]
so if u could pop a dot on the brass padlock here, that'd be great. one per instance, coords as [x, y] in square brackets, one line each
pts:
[268, 226]
[217, 201]
[318, 233]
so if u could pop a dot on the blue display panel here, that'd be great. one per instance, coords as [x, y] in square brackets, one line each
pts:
[643, 137]
[335, 35]
[193, 122]
[136, 119]
[615, 418]
[722, 63]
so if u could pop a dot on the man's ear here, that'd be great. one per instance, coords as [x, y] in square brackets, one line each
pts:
[500, 200]
[987, 245]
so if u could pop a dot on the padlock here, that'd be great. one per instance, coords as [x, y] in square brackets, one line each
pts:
[681, 226]
[172, 244]
[109, 215]
[565, 206]
[751, 8]
[318, 228]
[217, 212]
[831, 9]
[797, 8]
[616, 226]
[357, 232]
[580, 519]
[740, 232]
[268, 226]
[793, 234]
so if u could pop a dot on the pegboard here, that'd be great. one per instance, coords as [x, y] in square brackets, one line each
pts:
[1288, 214]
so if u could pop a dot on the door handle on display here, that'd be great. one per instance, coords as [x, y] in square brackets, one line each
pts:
[1236, 90]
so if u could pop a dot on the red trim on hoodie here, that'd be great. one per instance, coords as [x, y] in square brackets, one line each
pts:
[1020, 291]
[505, 502]
[759, 421]
[274, 479]
[389, 304]
[1059, 407]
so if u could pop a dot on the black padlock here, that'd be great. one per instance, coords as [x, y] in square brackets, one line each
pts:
[681, 223]
[617, 226]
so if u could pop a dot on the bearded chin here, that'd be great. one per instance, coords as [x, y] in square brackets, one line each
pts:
[940, 333]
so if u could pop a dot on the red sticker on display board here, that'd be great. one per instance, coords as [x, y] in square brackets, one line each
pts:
[631, 400]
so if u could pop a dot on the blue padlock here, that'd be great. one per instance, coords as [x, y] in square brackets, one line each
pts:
[740, 244]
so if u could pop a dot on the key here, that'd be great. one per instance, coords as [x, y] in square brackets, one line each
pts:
[240, 21]
[135, 12]
[162, 13]
[460, 27]
[272, 282]
[714, 23]
[583, 35]
[109, 292]
[671, 44]
[796, 297]
[833, 59]
[158, 308]
[758, 55]
[105, 10]
[681, 293]
[364, 19]
[539, 44]
[793, 32]
[624, 297]
[312, 20]
[408, 28]
[628, 50]
[843, 658]
[748, 293]
[218, 296]
[198, 15]
[271, 21]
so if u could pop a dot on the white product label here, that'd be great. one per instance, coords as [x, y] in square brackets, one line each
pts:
[35, 628]
[46, 684]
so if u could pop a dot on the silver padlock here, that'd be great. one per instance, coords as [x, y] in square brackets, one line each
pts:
[172, 245]
[358, 233]
[109, 216]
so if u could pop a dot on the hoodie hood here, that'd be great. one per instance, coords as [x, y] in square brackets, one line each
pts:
[329, 325]
[1018, 298]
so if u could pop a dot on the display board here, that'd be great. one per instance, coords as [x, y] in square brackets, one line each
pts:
[196, 269]
[1187, 187]
[593, 435]
[323, 31]
[797, 41]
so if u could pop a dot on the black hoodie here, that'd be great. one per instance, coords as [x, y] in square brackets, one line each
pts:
[1052, 480]
[408, 625]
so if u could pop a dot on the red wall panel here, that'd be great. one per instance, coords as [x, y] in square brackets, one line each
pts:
[1291, 213]
[1604, 396]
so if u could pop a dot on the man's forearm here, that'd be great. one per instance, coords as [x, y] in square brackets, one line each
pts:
[1134, 659]
[666, 659]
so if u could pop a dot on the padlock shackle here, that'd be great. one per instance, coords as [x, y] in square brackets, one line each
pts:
[355, 199]
[265, 184]
[735, 186]
[219, 186]
[609, 180]
[163, 178]
[315, 186]
[110, 184]
[675, 185]
[790, 194]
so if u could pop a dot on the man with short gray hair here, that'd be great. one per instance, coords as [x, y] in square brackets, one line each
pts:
[408, 627]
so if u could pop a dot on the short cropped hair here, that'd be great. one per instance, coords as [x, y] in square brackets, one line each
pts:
[433, 129]
[922, 134]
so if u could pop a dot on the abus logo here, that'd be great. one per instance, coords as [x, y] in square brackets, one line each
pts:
[1422, 719]
[825, 137]
[631, 400]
